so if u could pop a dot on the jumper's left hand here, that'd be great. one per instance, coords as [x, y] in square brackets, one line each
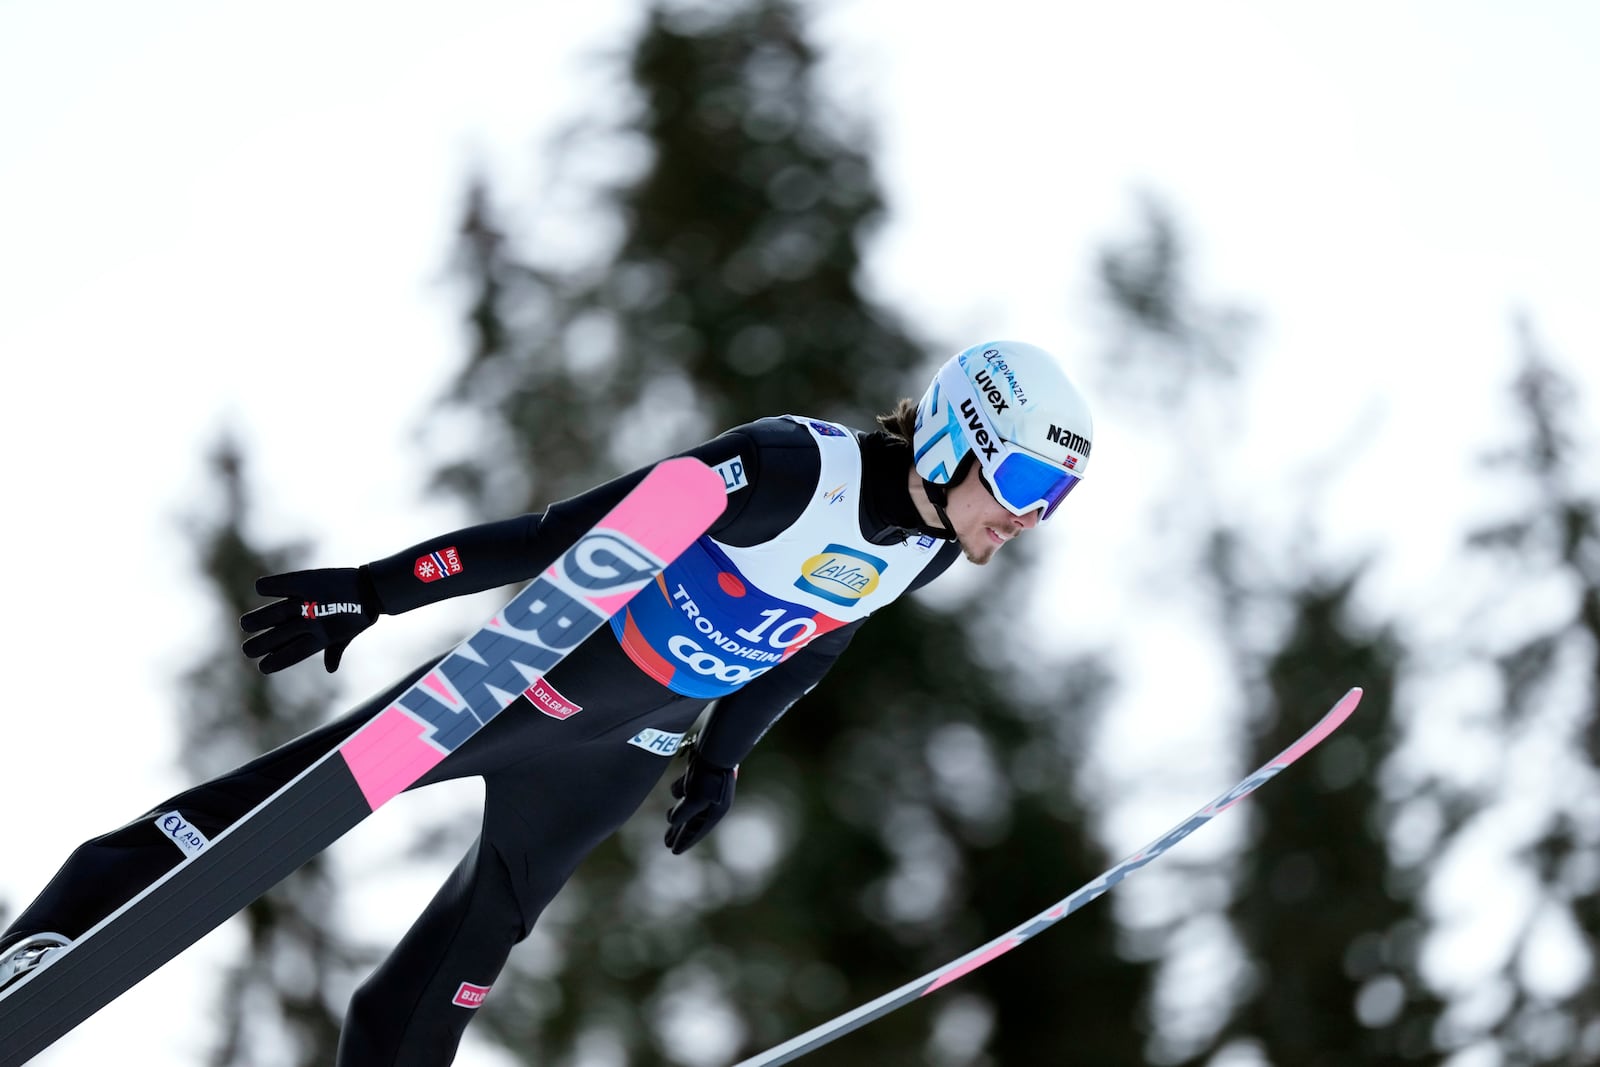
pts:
[705, 793]
[321, 610]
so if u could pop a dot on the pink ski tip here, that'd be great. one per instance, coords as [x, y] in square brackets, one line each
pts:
[1330, 722]
[994, 951]
[698, 497]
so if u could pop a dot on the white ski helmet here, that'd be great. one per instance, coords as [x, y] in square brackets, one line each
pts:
[1011, 406]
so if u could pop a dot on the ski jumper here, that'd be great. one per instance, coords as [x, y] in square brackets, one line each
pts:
[819, 532]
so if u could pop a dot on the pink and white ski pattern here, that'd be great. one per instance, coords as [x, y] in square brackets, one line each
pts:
[507, 656]
[820, 1035]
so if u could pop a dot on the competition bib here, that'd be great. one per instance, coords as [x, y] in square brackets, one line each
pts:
[721, 615]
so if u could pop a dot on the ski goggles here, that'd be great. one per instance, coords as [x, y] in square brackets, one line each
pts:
[1023, 482]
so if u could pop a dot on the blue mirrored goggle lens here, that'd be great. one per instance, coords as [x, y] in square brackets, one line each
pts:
[1024, 482]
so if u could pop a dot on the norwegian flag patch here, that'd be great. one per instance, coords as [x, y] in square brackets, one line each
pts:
[436, 565]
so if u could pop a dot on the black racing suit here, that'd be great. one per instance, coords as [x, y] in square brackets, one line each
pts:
[554, 788]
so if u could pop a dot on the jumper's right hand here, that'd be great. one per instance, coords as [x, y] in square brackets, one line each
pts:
[321, 611]
[704, 793]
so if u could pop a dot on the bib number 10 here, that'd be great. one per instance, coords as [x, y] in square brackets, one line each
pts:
[789, 634]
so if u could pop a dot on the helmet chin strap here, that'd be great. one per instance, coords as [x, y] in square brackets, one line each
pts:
[936, 497]
[939, 495]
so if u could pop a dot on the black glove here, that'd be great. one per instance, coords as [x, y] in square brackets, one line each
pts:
[705, 793]
[321, 611]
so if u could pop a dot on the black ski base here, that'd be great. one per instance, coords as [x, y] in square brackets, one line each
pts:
[240, 865]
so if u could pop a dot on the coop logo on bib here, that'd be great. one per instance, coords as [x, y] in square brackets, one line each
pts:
[841, 575]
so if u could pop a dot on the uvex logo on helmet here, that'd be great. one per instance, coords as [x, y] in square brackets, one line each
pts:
[980, 433]
[991, 392]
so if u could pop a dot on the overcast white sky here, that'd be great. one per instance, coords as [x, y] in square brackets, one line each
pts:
[237, 216]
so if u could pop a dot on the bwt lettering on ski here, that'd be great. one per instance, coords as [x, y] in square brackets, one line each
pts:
[501, 661]
[505, 658]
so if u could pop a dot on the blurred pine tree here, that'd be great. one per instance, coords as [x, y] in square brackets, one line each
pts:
[1330, 931]
[1323, 966]
[1540, 631]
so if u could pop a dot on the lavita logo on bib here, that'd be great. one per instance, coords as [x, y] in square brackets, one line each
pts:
[841, 575]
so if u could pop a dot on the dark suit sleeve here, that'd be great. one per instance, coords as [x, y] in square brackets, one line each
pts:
[778, 464]
[514, 550]
[744, 716]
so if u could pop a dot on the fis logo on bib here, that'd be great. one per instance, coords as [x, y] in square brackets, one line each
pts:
[841, 575]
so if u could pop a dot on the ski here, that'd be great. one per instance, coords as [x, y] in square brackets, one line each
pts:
[818, 1036]
[674, 504]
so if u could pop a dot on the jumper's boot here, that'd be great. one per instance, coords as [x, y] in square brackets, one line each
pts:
[22, 957]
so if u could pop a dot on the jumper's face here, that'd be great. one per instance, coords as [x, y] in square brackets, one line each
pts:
[982, 524]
